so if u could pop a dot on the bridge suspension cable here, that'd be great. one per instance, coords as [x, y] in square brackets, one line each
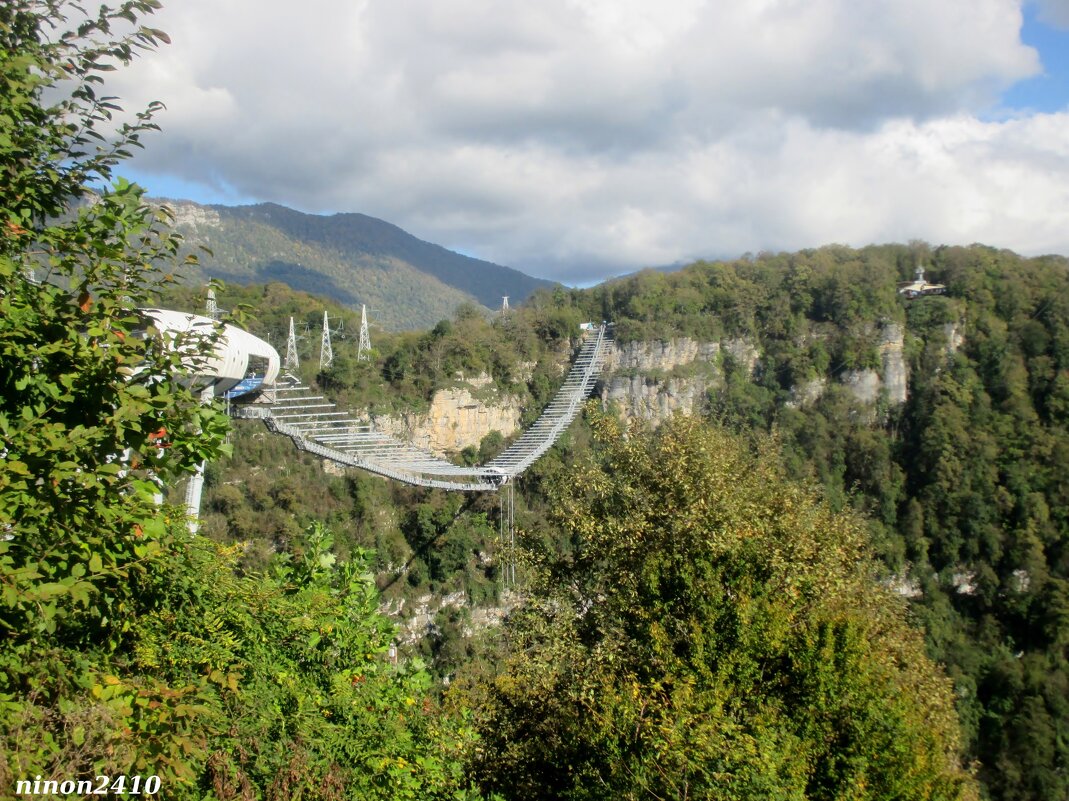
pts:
[560, 411]
[314, 425]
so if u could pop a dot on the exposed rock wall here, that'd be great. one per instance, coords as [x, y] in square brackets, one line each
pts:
[808, 393]
[456, 418]
[419, 620]
[863, 384]
[193, 215]
[661, 355]
[654, 400]
[895, 371]
[744, 352]
[647, 381]
[635, 382]
[954, 337]
[892, 379]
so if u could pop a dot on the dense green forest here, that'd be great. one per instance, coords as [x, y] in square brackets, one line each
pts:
[135, 657]
[962, 486]
[819, 600]
[965, 485]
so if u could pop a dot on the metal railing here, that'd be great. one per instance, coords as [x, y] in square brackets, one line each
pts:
[314, 426]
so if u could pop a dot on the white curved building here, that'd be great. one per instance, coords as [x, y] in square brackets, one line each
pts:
[219, 360]
[237, 364]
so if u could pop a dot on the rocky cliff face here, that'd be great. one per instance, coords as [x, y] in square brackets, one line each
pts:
[192, 215]
[891, 380]
[954, 337]
[654, 400]
[640, 384]
[417, 620]
[863, 384]
[895, 371]
[808, 393]
[664, 356]
[650, 380]
[458, 417]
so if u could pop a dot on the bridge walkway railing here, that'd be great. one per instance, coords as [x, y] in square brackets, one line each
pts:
[316, 426]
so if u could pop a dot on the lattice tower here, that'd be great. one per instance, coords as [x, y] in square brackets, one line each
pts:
[363, 351]
[292, 361]
[326, 352]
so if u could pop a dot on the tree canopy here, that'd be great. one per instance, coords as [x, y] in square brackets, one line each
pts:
[714, 631]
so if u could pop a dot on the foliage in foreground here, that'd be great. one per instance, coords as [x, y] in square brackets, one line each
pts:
[127, 645]
[714, 633]
[232, 687]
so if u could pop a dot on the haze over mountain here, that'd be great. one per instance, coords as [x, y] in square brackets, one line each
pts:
[353, 258]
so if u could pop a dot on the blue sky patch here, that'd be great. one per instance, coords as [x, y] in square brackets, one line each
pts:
[1048, 91]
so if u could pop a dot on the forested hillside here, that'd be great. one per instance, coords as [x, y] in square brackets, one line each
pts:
[135, 657]
[963, 483]
[351, 258]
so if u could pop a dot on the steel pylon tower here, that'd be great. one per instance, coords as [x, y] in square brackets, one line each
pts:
[292, 362]
[318, 427]
[326, 352]
[505, 304]
[363, 351]
[211, 307]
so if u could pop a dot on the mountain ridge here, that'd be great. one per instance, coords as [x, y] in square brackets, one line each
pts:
[351, 257]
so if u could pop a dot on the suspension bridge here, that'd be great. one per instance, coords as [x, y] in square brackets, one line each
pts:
[245, 369]
[317, 426]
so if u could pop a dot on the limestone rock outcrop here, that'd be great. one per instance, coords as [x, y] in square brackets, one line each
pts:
[418, 621]
[193, 215]
[458, 417]
[863, 384]
[895, 371]
[654, 400]
[954, 337]
[892, 379]
[639, 382]
[660, 355]
[652, 380]
[808, 392]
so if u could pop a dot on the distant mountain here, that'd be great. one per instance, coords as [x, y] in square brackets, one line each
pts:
[352, 258]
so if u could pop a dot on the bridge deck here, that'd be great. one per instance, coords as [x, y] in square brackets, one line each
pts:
[316, 427]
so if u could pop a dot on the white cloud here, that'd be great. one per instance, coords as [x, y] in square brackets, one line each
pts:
[569, 137]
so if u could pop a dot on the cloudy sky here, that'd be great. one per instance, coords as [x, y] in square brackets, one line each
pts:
[575, 139]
